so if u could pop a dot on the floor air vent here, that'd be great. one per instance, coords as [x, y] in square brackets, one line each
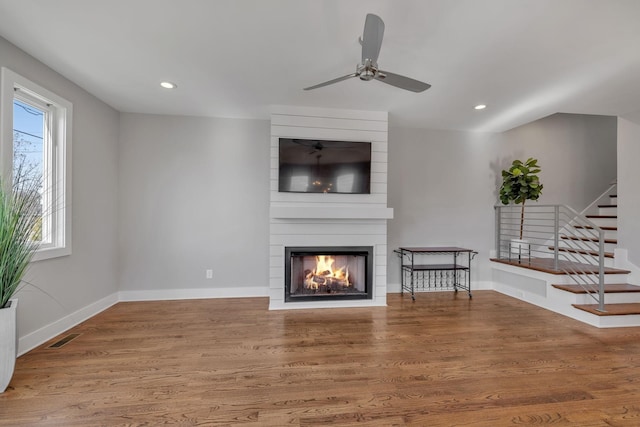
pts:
[64, 341]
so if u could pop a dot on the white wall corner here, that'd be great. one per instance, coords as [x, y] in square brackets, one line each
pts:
[621, 260]
[620, 257]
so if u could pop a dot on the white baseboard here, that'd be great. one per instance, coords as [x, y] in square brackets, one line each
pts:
[196, 293]
[42, 335]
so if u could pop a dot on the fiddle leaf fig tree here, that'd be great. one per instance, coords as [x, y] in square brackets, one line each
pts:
[521, 183]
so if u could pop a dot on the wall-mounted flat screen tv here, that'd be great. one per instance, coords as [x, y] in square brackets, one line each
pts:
[321, 166]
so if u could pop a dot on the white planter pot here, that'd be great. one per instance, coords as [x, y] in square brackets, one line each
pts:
[520, 247]
[8, 343]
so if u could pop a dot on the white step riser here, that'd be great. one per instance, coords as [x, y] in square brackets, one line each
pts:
[610, 298]
[608, 262]
[582, 258]
[608, 278]
[613, 200]
[589, 246]
[608, 211]
[608, 234]
[587, 259]
[616, 298]
[605, 222]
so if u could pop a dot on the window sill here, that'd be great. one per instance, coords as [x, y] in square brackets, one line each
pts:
[49, 253]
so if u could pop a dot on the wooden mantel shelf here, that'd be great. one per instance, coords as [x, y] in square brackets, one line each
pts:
[328, 212]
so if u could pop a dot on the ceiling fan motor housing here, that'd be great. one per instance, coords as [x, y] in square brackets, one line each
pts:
[371, 41]
[367, 71]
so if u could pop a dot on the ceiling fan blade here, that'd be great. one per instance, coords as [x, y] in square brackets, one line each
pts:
[401, 81]
[330, 82]
[372, 38]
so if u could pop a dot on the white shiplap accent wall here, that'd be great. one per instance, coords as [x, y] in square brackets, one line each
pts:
[330, 219]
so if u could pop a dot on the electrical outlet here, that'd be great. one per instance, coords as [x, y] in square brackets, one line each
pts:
[209, 274]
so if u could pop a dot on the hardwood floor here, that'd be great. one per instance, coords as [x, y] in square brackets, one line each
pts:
[444, 360]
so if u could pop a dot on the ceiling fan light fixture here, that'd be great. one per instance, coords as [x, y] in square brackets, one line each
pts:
[168, 85]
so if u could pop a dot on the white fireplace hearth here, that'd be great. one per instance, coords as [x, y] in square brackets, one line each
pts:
[329, 220]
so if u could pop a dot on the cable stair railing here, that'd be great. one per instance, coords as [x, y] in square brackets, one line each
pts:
[554, 237]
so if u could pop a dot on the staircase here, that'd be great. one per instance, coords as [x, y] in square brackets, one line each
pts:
[566, 268]
[622, 299]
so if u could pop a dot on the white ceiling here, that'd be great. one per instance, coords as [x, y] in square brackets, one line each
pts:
[525, 59]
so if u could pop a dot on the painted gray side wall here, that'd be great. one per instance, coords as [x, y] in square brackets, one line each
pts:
[70, 283]
[628, 194]
[443, 184]
[194, 195]
[577, 153]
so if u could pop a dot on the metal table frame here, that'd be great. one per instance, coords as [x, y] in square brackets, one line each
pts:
[419, 276]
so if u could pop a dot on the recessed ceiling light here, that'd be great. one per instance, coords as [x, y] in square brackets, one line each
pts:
[168, 85]
[480, 107]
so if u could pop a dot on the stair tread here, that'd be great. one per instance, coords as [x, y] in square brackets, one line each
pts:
[611, 309]
[609, 288]
[589, 239]
[583, 252]
[607, 206]
[608, 228]
[546, 265]
[613, 195]
[603, 216]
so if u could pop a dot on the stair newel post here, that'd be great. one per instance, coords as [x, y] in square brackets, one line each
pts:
[522, 220]
[498, 213]
[601, 270]
[556, 233]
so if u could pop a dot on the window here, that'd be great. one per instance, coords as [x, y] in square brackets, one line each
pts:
[35, 144]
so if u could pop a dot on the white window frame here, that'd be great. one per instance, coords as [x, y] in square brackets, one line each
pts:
[61, 112]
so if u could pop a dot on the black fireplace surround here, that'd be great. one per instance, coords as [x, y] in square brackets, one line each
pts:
[328, 273]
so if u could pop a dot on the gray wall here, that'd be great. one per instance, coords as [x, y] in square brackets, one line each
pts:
[194, 195]
[628, 194]
[443, 184]
[577, 153]
[70, 283]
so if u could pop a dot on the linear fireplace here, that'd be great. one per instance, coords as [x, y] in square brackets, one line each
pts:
[321, 273]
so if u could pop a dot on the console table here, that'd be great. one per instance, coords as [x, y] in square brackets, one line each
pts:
[427, 269]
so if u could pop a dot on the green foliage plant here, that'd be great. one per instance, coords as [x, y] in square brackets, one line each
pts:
[521, 183]
[20, 226]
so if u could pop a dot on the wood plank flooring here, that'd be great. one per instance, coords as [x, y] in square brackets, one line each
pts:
[443, 360]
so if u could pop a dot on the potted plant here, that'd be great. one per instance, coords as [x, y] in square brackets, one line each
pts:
[521, 183]
[20, 235]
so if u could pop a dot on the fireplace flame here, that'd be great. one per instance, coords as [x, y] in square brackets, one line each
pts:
[325, 274]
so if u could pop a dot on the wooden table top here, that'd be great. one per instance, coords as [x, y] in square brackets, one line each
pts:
[435, 249]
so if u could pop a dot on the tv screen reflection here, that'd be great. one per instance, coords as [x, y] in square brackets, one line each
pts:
[320, 166]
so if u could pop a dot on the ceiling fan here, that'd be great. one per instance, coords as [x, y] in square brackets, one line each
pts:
[371, 41]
